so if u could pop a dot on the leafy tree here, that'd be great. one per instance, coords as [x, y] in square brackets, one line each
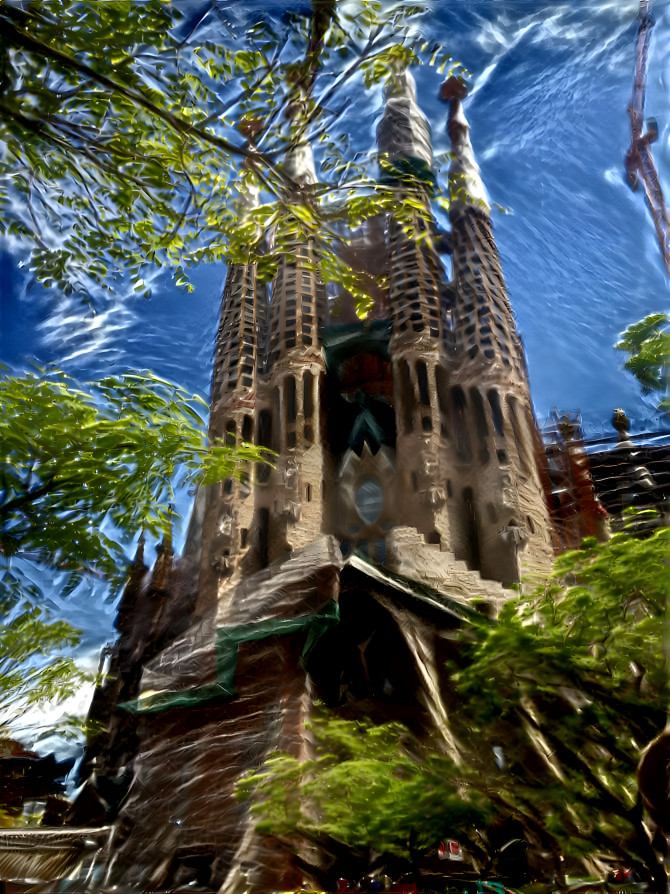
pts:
[134, 140]
[554, 702]
[32, 672]
[648, 344]
[82, 470]
[369, 795]
[568, 687]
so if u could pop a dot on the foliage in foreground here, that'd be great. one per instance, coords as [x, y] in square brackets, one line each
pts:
[369, 790]
[648, 344]
[134, 133]
[555, 702]
[571, 685]
[82, 471]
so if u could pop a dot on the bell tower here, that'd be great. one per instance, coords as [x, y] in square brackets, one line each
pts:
[229, 506]
[289, 498]
[499, 507]
[416, 285]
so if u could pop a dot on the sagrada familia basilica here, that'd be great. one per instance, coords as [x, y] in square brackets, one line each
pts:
[406, 494]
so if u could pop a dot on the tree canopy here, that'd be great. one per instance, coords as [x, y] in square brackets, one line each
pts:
[648, 344]
[370, 794]
[136, 136]
[571, 685]
[84, 469]
[556, 700]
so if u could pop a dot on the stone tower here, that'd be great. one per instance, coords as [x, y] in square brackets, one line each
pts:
[404, 497]
[420, 419]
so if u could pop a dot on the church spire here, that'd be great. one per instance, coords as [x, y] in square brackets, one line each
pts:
[404, 132]
[492, 407]
[466, 186]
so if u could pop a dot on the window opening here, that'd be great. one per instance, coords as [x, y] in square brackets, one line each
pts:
[441, 381]
[480, 425]
[276, 421]
[290, 400]
[496, 411]
[308, 394]
[422, 378]
[471, 533]
[518, 436]
[406, 395]
[463, 445]
[369, 500]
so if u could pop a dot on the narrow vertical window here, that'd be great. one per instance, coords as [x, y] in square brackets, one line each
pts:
[521, 443]
[276, 421]
[290, 400]
[308, 394]
[471, 532]
[308, 405]
[442, 385]
[463, 445]
[424, 396]
[480, 425]
[406, 395]
[264, 432]
[422, 379]
[496, 412]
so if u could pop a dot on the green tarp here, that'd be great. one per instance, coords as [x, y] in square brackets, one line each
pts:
[227, 641]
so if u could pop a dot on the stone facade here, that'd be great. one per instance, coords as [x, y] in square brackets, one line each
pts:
[433, 413]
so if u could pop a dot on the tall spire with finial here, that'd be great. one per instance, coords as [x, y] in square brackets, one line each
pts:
[485, 330]
[489, 380]
[414, 269]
